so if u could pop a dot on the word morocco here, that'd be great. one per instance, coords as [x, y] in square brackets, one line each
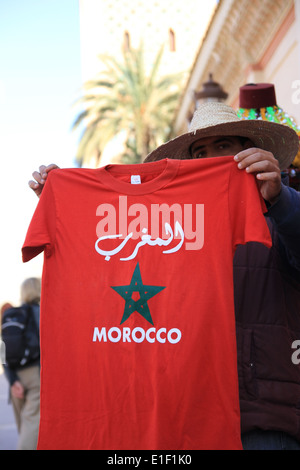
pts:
[137, 335]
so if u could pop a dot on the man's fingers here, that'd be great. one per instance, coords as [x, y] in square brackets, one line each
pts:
[256, 161]
[271, 176]
[257, 167]
[40, 177]
[33, 184]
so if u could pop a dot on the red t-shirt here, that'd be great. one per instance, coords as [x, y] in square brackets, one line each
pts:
[137, 312]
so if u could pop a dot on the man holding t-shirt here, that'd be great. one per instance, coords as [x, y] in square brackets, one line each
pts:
[223, 136]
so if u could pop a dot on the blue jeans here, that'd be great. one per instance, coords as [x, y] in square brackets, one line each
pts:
[269, 440]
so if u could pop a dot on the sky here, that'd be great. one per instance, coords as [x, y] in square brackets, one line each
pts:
[40, 79]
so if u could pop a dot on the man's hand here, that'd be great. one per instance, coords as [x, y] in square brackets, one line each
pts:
[17, 390]
[40, 178]
[266, 168]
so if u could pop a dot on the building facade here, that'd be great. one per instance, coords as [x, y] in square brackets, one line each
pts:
[248, 42]
[108, 26]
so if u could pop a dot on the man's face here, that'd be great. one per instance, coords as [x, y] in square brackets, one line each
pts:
[218, 146]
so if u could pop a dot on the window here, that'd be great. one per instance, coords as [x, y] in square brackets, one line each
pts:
[126, 43]
[172, 44]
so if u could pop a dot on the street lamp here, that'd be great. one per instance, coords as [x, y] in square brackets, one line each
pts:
[211, 91]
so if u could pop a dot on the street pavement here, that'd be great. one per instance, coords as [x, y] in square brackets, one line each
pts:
[8, 429]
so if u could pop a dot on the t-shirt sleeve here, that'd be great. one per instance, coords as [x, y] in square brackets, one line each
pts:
[246, 210]
[41, 231]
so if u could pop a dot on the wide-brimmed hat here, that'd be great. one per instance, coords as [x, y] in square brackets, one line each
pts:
[258, 101]
[218, 119]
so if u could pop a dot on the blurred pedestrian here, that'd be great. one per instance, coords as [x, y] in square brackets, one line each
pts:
[24, 379]
[4, 307]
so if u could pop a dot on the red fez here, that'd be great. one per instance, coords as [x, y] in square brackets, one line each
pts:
[259, 95]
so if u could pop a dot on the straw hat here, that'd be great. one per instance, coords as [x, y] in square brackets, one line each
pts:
[218, 119]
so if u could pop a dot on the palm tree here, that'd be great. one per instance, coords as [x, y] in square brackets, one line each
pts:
[125, 99]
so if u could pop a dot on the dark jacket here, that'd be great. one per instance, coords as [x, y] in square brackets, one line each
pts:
[12, 375]
[267, 306]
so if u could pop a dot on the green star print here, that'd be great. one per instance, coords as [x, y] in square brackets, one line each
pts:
[136, 295]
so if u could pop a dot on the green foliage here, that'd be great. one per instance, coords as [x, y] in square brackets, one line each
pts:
[126, 99]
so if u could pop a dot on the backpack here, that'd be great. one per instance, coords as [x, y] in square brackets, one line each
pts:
[20, 334]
